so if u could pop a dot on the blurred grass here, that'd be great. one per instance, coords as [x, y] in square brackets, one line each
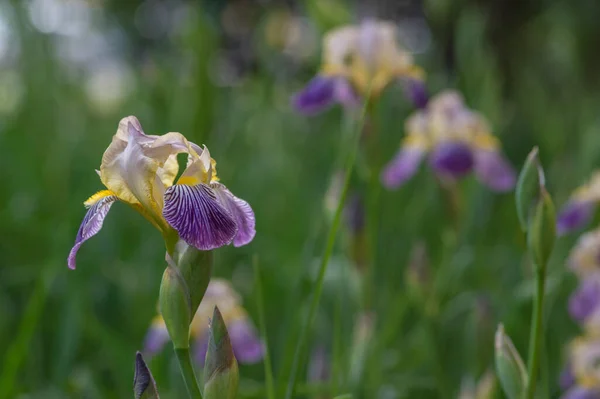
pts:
[530, 69]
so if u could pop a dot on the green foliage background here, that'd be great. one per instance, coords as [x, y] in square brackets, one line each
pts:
[529, 66]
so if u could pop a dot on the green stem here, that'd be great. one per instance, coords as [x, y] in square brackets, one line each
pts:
[331, 237]
[187, 372]
[535, 337]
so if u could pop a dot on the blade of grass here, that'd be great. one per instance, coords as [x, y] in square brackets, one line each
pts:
[331, 237]
[263, 330]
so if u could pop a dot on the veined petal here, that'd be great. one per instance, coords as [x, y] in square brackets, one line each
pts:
[574, 216]
[318, 95]
[247, 347]
[242, 214]
[198, 217]
[404, 165]
[494, 171]
[99, 205]
[452, 159]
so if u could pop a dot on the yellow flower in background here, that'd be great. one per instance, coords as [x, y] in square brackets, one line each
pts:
[356, 59]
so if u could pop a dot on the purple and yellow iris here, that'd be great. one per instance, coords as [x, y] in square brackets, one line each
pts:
[457, 141]
[358, 59]
[246, 345]
[580, 208]
[581, 377]
[142, 171]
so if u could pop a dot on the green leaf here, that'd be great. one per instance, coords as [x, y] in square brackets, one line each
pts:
[509, 366]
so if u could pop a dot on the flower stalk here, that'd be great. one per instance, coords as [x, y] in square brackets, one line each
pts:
[187, 372]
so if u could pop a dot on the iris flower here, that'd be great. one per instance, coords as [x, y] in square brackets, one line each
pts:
[584, 259]
[355, 58]
[579, 210]
[142, 171]
[581, 378]
[246, 345]
[457, 141]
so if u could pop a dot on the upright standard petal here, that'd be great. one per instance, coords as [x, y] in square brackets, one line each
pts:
[246, 345]
[318, 95]
[99, 205]
[452, 159]
[494, 171]
[404, 165]
[242, 214]
[574, 215]
[198, 217]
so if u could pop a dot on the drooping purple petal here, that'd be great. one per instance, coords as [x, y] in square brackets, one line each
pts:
[574, 216]
[494, 171]
[404, 165]
[200, 349]
[566, 379]
[247, 347]
[579, 392]
[198, 217]
[316, 96]
[345, 94]
[156, 338]
[585, 300]
[416, 91]
[452, 159]
[242, 214]
[91, 225]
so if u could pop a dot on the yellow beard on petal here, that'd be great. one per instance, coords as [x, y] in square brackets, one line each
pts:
[97, 197]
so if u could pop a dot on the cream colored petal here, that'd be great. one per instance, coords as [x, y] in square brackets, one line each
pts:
[339, 44]
[128, 172]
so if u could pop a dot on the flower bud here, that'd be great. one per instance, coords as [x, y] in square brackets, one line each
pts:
[530, 180]
[221, 374]
[175, 307]
[542, 230]
[144, 386]
[509, 366]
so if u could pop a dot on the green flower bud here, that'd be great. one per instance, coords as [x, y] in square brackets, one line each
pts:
[542, 230]
[530, 180]
[184, 283]
[221, 374]
[509, 366]
[175, 307]
[144, 386]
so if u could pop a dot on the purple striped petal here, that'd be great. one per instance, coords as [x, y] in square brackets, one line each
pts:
[579, 392]
[242, 214]
[404, 165]
[91, 225]
[198, 217]
[318, 95]
[494, 171]
[585, 300]
[452, 159]
[574, 216]
[246, 345]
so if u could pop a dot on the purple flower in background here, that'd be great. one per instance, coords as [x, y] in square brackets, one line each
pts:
[580, 208]
[141, 170]
[457, 141]
[358, 59]
[584, 258]
[585, 300]
[247, 347]
[581, 377]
